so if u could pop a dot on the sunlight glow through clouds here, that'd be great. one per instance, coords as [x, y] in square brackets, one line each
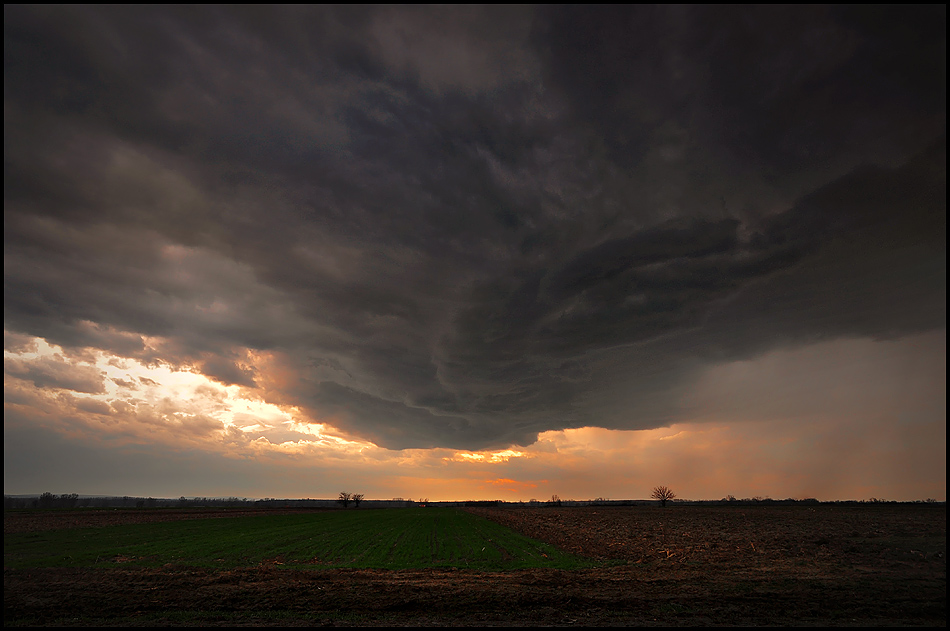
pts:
[511, 486]
[145, 399]
[95, 398]
[493, 456]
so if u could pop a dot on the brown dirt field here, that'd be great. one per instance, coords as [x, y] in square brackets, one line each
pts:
[870, 565]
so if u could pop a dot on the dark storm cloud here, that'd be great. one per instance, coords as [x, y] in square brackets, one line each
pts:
[805, 89]
[465, 226]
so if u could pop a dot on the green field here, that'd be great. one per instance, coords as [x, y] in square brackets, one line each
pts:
[383, 539]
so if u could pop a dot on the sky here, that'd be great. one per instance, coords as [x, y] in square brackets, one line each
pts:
[475, 252]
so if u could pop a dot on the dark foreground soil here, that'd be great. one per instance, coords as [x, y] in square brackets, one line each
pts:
[873, 565]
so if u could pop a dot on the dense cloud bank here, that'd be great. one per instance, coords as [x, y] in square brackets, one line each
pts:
[439, 226]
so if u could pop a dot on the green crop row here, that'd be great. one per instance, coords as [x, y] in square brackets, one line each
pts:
[384, 539]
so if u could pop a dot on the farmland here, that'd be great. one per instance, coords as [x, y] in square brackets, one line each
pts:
[380, 539]
[598, 566]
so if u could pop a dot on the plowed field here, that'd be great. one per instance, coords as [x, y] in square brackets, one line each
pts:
[871, 565]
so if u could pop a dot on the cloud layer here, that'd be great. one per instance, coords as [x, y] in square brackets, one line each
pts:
[440, 227]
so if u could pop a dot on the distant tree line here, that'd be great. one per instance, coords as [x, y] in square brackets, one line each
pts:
[73, 500]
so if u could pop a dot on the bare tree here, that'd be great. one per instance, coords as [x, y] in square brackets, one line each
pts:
[357, 498]
[664, 494]
[345, 498]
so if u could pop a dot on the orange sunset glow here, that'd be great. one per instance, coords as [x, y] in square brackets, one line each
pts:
[126, 402]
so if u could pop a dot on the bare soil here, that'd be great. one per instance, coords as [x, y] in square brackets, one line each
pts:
[828, 565]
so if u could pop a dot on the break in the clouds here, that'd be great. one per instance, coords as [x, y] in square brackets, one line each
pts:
[464, 227]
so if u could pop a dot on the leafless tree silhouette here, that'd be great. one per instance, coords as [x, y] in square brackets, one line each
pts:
[664, 494]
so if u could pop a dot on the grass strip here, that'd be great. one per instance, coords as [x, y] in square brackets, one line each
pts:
[407, 538]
